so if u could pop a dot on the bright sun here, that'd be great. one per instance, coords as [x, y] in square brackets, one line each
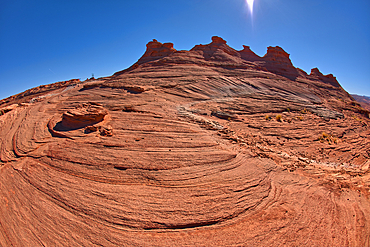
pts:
[250, 5]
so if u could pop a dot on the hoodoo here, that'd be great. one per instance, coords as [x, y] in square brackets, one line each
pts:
[207, 147]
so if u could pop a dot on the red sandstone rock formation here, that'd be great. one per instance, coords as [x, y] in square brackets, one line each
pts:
[316, 74]
[82, 116]
[156, 50]
[278, 62]
[207, 147]
[248, 54]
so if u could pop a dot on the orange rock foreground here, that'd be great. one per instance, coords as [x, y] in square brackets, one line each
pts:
[207, 147]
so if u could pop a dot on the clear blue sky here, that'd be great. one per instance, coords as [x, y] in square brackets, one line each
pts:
[44, 41]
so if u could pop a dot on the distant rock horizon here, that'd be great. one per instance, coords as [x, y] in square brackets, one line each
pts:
[363, 100]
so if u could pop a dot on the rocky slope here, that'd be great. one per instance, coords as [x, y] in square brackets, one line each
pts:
[207, 147]
[363, 100]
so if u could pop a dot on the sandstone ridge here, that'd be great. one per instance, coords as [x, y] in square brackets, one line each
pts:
[276, 60]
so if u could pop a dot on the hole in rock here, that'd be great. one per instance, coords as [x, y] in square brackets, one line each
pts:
[120, 168]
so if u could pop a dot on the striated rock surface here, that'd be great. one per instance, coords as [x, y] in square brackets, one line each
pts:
[207, 147]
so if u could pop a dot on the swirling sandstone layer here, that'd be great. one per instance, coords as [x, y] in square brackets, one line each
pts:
[208, 147]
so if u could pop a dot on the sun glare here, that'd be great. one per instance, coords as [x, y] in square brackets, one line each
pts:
[250, 5]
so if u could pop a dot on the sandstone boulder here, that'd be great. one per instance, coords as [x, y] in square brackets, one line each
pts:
[83, 115]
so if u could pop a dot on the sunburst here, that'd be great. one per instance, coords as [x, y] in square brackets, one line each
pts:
[250, 5]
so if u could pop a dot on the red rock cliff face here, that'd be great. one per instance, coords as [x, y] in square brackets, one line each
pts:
[156, 50]
[248, 55]
[207, 147]
[217, 50]
[330, 79]
[277, 55]
[278, 61]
